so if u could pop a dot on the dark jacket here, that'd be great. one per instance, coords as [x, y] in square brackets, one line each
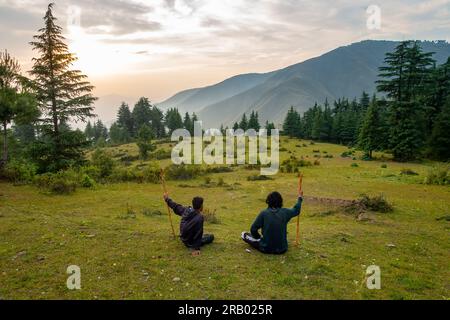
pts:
[191, 225]
[273, 223]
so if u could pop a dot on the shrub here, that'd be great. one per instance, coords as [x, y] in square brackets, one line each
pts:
[384, 166]
[104, 162]
[208, 180]
[258, 178]
[92, 171]
[316, 163]
[377, 203]
[161, 154]
[365, 203]
[439, 175]
[222, 169]
[221, 182]
[408, 172]
[63, 182]
[87, 182]
[19, 171]
[316, 151]
[184, 172]
[210, 216]
[354, 165]
[149, 213]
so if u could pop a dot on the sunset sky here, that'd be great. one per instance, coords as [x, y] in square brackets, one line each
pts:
[156, 48]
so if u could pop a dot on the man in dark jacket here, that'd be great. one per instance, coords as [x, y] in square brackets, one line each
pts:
[191, 225]
[273, 223]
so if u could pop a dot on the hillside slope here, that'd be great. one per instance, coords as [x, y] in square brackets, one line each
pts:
[343, 72]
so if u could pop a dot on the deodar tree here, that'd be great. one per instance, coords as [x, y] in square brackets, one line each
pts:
[63, 93]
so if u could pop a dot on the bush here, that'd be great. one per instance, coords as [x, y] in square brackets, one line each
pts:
[184, 172]
[354, 165]
[19, 172]
[161, 154]
[439, 175]
[408, 172]
[222, 169]
[210, 216]
[87, 182]
[377, 203]
[365, 203]
[63, 182]
[104, 162]
[292, 164]
[384, 166]
[258, 178]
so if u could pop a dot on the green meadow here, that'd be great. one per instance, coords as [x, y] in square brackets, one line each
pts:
[119, 234]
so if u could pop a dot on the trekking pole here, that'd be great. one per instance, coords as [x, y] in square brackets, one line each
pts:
[163, 181]
[297, 236]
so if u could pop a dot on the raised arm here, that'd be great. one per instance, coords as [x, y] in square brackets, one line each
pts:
[178, 209]
[295, 211]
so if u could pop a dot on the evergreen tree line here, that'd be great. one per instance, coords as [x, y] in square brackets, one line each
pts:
[252, 123]
[144, 120]
[411, 120]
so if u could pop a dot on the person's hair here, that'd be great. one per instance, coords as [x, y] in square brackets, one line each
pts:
[274, 200]
[197, 203]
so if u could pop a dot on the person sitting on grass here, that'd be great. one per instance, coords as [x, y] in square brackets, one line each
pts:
[191, 225]
[273, 223]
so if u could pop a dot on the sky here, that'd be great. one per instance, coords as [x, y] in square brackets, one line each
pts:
[156, 48]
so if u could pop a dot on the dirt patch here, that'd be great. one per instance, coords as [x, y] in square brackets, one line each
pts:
[332, 201]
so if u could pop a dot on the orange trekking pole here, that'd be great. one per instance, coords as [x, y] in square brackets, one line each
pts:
[297, 237]
[163, 181]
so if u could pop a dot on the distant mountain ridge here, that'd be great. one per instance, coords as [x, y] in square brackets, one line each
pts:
[343, 72]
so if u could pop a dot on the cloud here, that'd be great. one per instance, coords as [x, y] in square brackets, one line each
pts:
[147, 37]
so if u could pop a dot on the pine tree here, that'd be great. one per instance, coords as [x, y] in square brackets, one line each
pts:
[118, 134]
[406, 76]
[440, 138]
[144, 143]
[244, 123]
[125, 120]
[235, 126]
[89, 131]
[142, 114]
[370, 136]
[157, 120]
[187, 123]
[253, 122]
[62, 93]
[173, 120]
[291, 124]
[269, 127]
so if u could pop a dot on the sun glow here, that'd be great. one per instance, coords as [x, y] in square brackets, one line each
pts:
[97, 58]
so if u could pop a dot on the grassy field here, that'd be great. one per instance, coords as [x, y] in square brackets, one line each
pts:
[133, 256]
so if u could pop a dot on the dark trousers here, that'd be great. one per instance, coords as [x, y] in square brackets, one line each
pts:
[247, 237]
[207, 239]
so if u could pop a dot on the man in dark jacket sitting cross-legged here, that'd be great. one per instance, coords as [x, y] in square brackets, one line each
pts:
[191, 225]
[273, 224]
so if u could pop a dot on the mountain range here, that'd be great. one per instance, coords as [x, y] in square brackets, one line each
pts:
[344, 72]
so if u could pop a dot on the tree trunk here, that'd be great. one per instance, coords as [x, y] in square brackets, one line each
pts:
[5, 144]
